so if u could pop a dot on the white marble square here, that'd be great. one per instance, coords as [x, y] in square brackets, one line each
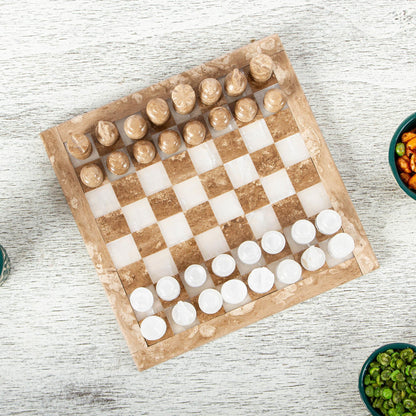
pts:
[294, 246]
[195, 291]
[226, 207]
[154, 178]
[263, 220]
[123, 251]
[314, 199]
[175, 229]
[205, 157]
[256, 135]
[102, 200]
[190, 193]
[110, 175]
[160, 264]
[139, 215]
[232, 125]
[93, 156]
[277, 186]
[241, 171]
[211, 243]
[292, 150]
[244, 268]
[330, 261]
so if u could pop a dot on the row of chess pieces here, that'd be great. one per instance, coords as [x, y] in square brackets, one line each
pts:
[183, 99]
[260, 280]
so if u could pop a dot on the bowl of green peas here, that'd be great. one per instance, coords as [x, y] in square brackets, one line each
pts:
[387, 381]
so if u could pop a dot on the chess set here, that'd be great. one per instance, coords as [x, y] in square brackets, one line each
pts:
[208, 201]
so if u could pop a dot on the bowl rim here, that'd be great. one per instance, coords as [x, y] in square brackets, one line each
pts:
[373, 355]
[404, 125]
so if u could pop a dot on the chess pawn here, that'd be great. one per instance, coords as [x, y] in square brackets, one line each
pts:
[235, 83]
[91, 175]
[219, 118]
[210, 91]
[245, 110]
[79, 146]
[106, 133]
[118, 163]
[261, 67]
[183, 98]
[144, 151]
[194, 132]
[135, 127]
[157, 110]
[169, 141]
[274, 100]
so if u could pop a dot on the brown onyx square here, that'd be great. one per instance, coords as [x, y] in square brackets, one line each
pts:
[270, 258]
[133, 276]
[185, 254]
[138, 165]
[202, 316]
[289, 210]
[267, 160]
[255, 85]
[254, 295]
[282, 124]
[201, 218]
[169, 333]
[105, 150]
[128, 189]
[303, 175]
[216, 182]
[113, 226]
[230, 146]
[237, 231]
[183, 295]
[241, 123]
[252, 196]
[179, 167]
[164, 204]
[97, 162]
[149, 240]
[220, 280]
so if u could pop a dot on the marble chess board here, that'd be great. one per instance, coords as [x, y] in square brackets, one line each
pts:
[186, 208]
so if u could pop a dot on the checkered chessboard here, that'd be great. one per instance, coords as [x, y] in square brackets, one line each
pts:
[205, 200]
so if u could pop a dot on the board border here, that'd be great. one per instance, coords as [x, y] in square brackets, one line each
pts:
[363, 262]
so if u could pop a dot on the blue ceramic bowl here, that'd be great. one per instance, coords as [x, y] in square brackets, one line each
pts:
[408, 124]
[363, 372]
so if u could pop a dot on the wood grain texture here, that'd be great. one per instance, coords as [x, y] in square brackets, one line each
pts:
[356, 64]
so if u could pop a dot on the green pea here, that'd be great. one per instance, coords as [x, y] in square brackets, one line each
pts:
[400, 149]
[377, 392]
[369, 391]
[392, 412]
[408, 404]
[386, 393]
[397, 397]
[393, 375]
[412, 372]
[385, 375]
[383, 359]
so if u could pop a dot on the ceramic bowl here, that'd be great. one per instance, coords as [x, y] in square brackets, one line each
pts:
[371, 358]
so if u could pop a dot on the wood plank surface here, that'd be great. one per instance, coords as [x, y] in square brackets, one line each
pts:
[61, 351]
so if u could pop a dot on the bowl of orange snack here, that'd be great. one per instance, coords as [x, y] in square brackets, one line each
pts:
[402, 155]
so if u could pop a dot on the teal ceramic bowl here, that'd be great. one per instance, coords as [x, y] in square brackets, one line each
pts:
[371, 358]
[407, 124]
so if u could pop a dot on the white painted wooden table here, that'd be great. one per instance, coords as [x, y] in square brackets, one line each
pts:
[60, 348]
